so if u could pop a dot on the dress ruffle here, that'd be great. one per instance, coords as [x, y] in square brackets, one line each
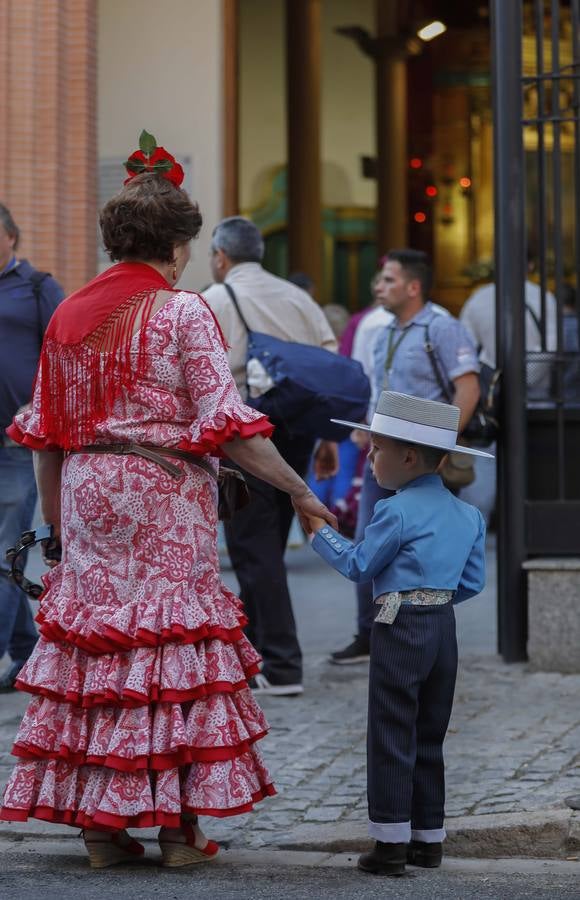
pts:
[148, 622]
[175, 673]
[33, 442]
[210, 436]
[213, 729]
[93, 796]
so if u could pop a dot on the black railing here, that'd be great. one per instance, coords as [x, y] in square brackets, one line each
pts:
[537, 223]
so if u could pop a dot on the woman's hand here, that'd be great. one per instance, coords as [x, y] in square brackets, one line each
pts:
[51, 545]
[308, 507]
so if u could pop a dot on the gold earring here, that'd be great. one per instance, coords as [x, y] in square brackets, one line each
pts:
[174, 272]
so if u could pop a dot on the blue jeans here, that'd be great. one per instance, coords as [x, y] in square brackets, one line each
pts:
[371, 493]
[17, 501]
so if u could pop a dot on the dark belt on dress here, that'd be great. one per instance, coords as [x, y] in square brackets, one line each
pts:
[154, 454]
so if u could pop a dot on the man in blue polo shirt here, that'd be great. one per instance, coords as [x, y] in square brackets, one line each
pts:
[27, 300]
[400, 362]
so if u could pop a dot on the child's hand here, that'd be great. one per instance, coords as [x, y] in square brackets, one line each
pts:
[316, 523]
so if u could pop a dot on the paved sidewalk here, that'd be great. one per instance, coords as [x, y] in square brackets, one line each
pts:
[513, 744]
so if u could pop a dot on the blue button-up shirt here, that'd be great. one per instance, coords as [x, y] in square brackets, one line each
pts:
[411, 371]
[21, 322]
[422, 537]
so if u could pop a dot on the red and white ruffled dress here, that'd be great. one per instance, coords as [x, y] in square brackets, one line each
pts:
[141, 706]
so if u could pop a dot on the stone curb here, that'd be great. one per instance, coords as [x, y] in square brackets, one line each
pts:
[543, 834]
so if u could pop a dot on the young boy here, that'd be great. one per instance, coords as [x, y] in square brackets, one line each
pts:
[424, 551]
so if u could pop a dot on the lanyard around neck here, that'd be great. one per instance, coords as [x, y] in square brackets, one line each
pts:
[393, 346]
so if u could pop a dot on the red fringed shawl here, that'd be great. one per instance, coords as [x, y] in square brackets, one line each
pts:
[86, 361]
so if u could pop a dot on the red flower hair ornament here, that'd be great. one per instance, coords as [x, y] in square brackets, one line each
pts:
[151, 158]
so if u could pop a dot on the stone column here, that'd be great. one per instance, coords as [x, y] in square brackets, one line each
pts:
[391, 136]
[48, 140]
[303, 116]
[231, 125]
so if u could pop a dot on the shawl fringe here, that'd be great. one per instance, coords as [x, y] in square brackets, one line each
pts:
[81, 382]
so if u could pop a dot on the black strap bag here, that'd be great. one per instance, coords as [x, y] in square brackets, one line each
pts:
[483, 427]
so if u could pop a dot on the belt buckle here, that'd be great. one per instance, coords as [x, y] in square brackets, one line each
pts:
[389, 608]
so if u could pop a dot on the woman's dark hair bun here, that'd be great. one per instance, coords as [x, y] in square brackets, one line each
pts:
[147, 219]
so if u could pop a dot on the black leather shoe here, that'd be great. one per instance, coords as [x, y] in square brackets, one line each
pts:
[428, 856]
[385, 859]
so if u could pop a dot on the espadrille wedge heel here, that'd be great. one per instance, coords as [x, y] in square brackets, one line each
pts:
[178, 853]
[112, 850]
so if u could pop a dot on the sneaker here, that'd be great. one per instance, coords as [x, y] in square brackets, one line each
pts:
[357, 652]
[260, 685]
[8, 678]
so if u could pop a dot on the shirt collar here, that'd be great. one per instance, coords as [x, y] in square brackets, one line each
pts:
[422, 481]
[241, 269]
[422, 317]
[8, 268]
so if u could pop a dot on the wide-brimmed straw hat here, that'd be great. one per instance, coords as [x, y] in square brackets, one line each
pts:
[418, 421]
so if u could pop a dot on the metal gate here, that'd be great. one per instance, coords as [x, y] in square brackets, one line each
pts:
[536, 96]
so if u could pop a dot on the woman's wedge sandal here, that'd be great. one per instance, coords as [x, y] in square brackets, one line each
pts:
[110, 851]
[185, 853]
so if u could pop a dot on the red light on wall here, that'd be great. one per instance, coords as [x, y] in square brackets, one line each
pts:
[416, 163]
[420, 217]
[465, 183]
[431, 190]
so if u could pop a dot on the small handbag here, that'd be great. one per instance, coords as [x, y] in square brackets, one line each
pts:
[233, 493]
[457, 471]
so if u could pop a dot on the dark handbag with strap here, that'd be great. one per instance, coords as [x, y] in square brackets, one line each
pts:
[483, 427]
[309, 385]
[233, 492]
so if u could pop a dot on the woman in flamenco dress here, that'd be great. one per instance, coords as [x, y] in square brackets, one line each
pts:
[141, 712]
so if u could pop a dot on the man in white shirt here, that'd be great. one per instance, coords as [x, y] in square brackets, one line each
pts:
[478, 316]
[256, 537]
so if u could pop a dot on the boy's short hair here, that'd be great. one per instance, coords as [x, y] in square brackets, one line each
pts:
[431, 456]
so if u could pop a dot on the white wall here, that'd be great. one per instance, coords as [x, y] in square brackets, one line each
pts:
[160, 68]
[347, 105]
[262, 96]
[347, 102]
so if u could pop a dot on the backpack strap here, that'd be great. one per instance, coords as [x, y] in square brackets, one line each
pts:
[232, 294]
[36, 280]
[535, 318]
[430, 351]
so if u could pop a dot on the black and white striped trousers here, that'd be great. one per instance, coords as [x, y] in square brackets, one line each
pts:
[412, 681]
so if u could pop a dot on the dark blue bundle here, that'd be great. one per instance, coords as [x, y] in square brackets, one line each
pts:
[311, 385]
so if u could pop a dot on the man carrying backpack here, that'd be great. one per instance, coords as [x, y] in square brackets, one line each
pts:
[27, 300]
[256, 537]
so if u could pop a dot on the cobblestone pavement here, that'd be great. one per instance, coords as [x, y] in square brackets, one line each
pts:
[513, 743]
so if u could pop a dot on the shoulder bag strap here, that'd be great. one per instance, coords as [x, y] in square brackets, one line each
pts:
[232, 294]
[36, 280]
[535, 317]
[430, 350]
